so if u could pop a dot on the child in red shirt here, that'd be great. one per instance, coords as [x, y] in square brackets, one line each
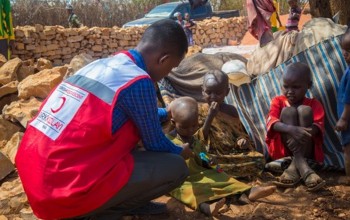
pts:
[295, 127]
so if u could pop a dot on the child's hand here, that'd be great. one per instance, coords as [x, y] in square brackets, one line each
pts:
[341, 125]
[213, 109]
[300, 134]
[186, 151]
[243, 144]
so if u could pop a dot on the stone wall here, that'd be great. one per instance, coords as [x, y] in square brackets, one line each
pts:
[60, 45]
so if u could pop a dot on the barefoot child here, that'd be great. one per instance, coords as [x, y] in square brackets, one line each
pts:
[225, 136]
[295, 127]
[207, 186]
[344, 103]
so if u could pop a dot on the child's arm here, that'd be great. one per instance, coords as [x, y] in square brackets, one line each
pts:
[213, 110]
[342, 123]
[296, 132]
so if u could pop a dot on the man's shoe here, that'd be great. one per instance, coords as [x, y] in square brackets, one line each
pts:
[151, 208]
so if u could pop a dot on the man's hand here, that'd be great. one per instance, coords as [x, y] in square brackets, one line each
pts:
[213, 109]
[186, 151]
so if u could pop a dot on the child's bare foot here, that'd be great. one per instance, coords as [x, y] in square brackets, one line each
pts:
[213, 208]
[257, 192]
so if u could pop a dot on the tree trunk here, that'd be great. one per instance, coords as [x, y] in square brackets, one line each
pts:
[328, 8]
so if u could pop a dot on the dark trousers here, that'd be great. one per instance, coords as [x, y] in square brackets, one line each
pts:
[154, 175]
[4, 48]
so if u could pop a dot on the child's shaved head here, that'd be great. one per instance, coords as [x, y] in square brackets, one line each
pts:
[217, 75]
[184, 108]
[299, 70]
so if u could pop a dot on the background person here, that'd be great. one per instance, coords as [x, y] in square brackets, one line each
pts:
[73, 20]
[7, 36]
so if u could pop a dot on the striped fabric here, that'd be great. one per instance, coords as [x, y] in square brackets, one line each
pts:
[253, 100]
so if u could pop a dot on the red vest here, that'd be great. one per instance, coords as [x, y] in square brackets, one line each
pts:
[69, 161]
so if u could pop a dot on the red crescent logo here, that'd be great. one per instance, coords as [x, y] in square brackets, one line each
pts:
[59, 108]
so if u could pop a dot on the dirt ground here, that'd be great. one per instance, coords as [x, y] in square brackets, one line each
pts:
[330, 203]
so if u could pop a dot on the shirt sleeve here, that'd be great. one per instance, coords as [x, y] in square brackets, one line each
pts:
[162, 114]
[274, 113]
[318, 112]
[139, 102]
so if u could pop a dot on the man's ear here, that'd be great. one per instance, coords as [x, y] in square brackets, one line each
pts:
[172, 122]
[163, 58]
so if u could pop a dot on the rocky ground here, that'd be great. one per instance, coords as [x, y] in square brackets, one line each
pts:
[332, 202]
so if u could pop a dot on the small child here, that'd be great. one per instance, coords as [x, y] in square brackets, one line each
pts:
[294, 16]
[188, 24]
[344, 103]
[225, 136]
[206, 182]
[295, 126]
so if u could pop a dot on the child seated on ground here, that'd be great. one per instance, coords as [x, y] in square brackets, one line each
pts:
[344, 103]
[295, 126]
[207, 185]
[226, 137]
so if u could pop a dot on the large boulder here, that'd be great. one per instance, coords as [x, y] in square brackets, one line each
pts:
[8, 88]
[8, 72]
[7, 129]
[22, 111]
[11, 147]
[40, 85]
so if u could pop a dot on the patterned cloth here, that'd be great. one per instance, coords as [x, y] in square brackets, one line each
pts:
[203, 185]
[6, 28]
[253, 100]
[224, 133]
[259, 13]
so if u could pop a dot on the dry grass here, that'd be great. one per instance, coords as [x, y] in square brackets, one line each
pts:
[90, 12]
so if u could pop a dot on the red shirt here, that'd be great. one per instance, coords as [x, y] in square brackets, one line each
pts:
[273, 138]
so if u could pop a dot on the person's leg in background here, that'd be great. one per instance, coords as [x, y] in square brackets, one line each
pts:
[4, 48]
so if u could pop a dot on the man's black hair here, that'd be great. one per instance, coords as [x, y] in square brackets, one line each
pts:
[167, 34]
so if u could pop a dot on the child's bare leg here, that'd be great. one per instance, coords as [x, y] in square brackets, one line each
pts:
[346, 150]
[305, 119]
[258, 192]
[311, 179]
[290, 176]
[213, 208]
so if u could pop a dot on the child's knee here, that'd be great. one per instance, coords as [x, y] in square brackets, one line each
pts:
[305, 111]
[305, 115]
[289, 113]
